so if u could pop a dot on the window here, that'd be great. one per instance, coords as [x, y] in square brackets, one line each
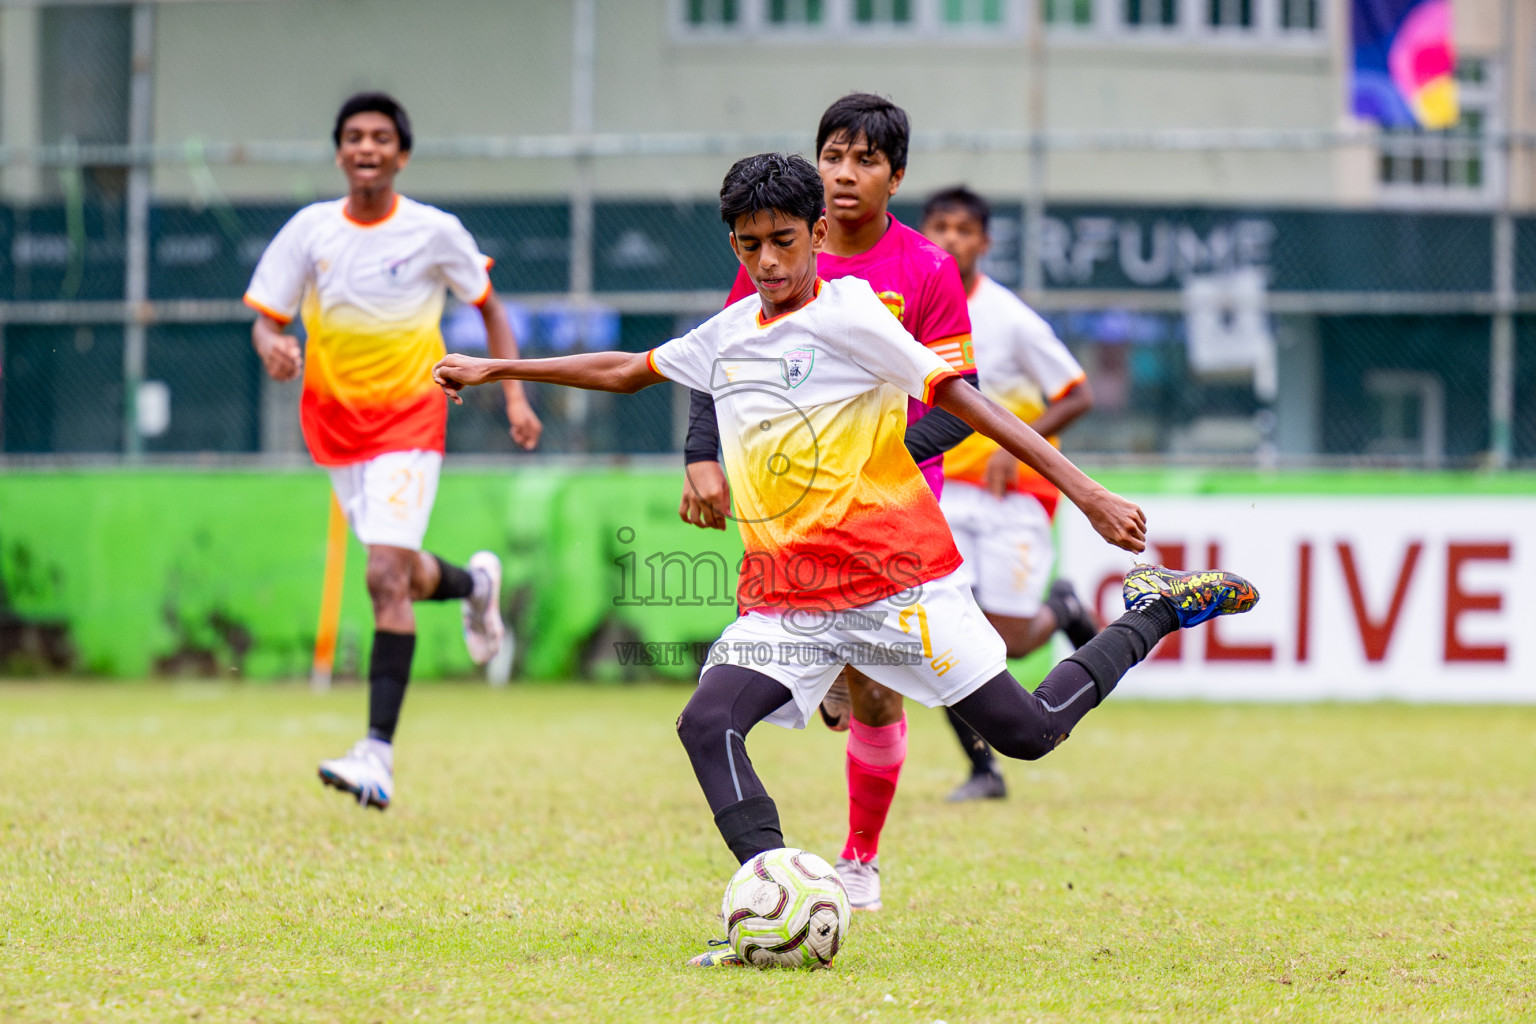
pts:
[1293, 23]
[1140, 13]
[1299, 15]
[882, 12]
[1450, 163]
[702, 13]
[1069, 12]
[1229, 13]
[873, 22]
[1226, 20]
[972, 12]
[795, 12]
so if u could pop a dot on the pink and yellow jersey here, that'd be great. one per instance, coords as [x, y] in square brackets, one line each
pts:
[812, 409]
[1022, 366]
[372, 299]
[917, 281]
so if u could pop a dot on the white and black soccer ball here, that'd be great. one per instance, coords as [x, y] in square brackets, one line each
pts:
[786, 908]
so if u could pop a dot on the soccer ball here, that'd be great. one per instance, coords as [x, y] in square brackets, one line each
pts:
[786, 908]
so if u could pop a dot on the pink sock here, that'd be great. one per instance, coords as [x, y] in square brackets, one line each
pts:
[875, 756]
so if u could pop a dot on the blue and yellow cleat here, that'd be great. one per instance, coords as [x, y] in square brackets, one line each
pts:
[1196, 596]
[719, 954]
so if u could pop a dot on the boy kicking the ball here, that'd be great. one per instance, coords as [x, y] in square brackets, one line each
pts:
[848, 558]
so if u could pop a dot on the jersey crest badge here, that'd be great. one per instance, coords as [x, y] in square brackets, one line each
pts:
[396, 269]
[895, 302]
[796, 364]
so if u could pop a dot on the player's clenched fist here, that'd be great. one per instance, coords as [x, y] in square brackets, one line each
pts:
[1118, 521]
[456, 372]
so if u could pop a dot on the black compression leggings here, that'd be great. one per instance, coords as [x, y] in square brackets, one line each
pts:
[730, 700]
[1027, 725]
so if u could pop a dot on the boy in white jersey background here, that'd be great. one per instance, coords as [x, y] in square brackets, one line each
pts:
[371, 271]
[811, 381]
[1000, 510]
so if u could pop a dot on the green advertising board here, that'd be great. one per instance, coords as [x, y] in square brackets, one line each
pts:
[160, 572]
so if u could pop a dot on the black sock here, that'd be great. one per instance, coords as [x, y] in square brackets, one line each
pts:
[389, 670]
[982, 761]
[454, 584]
[750, 826]
[1124, 643]
[1071, 617]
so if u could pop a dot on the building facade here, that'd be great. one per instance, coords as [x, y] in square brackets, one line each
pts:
[1204, 186]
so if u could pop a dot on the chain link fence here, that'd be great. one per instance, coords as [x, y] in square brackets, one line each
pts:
[1262, 335]
[1379, 326]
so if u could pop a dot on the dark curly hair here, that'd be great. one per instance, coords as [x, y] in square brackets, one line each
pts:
[882, 123]
[771, 181]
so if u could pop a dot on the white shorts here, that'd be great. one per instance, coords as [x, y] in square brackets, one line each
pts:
[388, 499]
[929, 642]
[1006, 545]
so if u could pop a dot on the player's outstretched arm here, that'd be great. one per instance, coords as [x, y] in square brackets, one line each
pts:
[621, 372]
[1118, 521]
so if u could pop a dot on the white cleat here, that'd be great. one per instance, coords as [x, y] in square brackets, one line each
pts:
[367, 771]
[483, 630]
[861, 880]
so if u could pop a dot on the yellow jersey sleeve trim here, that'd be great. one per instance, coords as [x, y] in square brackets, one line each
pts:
[267, 311]
[650, 360]
[933, 380]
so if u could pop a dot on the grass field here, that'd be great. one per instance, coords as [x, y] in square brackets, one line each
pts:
[167, 854]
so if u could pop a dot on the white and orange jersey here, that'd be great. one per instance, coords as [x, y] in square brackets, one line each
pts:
[920, 284]
[1022, 366]
[372, 299]
[812, 409]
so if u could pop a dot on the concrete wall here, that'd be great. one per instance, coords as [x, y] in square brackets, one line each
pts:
[276, 70]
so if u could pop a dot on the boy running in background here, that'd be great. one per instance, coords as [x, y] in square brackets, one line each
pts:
[861, 146]
[807, 352]
[372, 271]
[1000, 510]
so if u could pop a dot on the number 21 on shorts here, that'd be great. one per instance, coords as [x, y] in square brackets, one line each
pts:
[401, 500]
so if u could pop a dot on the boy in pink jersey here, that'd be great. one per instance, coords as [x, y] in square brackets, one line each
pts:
[846, 495]
[861, 147]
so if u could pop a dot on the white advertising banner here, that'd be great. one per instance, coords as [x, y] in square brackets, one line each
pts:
[1420, 599]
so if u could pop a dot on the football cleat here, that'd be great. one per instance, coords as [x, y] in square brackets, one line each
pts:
[483, 629]
[719, 954]
[837, 706]
[1079, 624]
[980, 786]
[1196, 596]
[861, 881]
[366, 771]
